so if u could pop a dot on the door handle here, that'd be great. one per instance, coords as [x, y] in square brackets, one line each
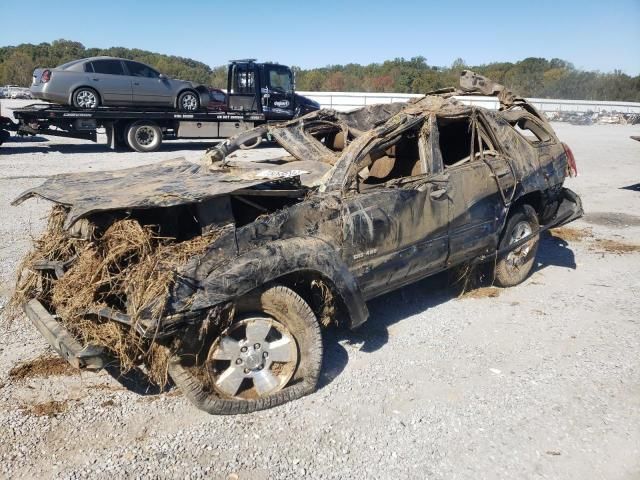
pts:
[136, 83]
[95, 79]
[438, 194]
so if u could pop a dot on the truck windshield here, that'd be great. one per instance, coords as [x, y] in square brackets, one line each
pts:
[280, 79]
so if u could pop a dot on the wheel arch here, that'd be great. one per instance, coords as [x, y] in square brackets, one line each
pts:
[534, 199]
[302, 264]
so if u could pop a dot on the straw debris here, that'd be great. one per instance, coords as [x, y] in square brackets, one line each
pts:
[127, 268]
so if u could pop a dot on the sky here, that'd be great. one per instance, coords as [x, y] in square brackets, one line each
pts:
[593, 35]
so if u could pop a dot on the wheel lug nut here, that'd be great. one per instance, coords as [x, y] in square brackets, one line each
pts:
[246, 370]
[243, 349]
[238, 361]
[265, 354]
[256, 346]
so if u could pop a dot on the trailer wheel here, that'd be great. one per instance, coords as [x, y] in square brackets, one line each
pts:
[144, 136]
[86, 98]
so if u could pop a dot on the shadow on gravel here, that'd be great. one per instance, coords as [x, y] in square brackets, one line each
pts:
[416, 298]
[136, 381]
[554, 251]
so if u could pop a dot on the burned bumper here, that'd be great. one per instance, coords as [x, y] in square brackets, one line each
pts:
[87, 357]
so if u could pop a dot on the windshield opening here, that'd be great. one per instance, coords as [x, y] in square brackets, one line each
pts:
[280, 79]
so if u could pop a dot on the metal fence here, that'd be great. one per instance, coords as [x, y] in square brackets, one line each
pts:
[349, 100]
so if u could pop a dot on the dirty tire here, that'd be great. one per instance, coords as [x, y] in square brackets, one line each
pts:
[85, 98]
[287, 308]
[143, 136]
[511, 268]
[188, 101]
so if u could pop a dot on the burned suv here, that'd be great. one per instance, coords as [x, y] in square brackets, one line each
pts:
[219, 276]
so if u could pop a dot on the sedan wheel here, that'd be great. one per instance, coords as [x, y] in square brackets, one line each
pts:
[85, 98]
[188, 102]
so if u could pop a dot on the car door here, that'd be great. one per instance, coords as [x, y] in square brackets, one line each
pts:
[480, 185]
[277, 93]
[149, 87]
[395, 226]
[109, 79]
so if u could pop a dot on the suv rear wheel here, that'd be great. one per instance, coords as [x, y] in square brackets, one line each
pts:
[515, 265]
[271, 353]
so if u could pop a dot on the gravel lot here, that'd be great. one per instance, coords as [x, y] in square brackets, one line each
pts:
[541, 381]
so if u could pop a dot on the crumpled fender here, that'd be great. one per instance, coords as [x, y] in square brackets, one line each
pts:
[274, 260]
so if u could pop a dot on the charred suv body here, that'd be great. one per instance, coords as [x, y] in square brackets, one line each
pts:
[239, 263]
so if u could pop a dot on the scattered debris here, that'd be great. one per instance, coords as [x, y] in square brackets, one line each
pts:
[52, 408]
[570, 234]
[553, 452]
[482, 292]
[614, 246]
[43, 366]
[589, 117]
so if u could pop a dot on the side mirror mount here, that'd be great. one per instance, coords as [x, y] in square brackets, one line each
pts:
[162, 76]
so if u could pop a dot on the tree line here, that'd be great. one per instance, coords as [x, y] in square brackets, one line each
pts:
[531, 77]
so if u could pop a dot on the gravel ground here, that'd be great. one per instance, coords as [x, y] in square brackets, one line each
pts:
[541, 381]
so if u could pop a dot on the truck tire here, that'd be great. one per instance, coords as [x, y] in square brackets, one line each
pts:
[514, 266]
[144, 136]
[85, 98]
[271, 353]
[188, 101]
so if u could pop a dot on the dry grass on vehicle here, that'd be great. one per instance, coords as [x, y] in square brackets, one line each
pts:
[41, 367]
[128, 267]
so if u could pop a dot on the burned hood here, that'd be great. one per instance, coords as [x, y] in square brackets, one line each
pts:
[162, 184]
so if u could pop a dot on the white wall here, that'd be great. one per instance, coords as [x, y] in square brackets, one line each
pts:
[349, 100]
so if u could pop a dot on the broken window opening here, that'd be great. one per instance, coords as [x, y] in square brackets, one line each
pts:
[530, 130]
[402, 159]
[247, 208]
[455, 140]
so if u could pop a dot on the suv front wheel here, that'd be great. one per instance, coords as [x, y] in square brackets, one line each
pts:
[271, 353]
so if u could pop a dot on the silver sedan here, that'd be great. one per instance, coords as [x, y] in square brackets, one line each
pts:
[108, 81]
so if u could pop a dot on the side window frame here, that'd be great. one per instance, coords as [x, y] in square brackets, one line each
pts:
[401, 180]
[543, 135]
[123, 67]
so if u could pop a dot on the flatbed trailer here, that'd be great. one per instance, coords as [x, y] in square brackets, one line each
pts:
[137, 128]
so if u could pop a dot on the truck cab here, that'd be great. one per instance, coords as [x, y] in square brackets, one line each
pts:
[267, 88]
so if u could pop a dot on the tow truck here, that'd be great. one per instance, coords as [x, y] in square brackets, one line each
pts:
[257, 93]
